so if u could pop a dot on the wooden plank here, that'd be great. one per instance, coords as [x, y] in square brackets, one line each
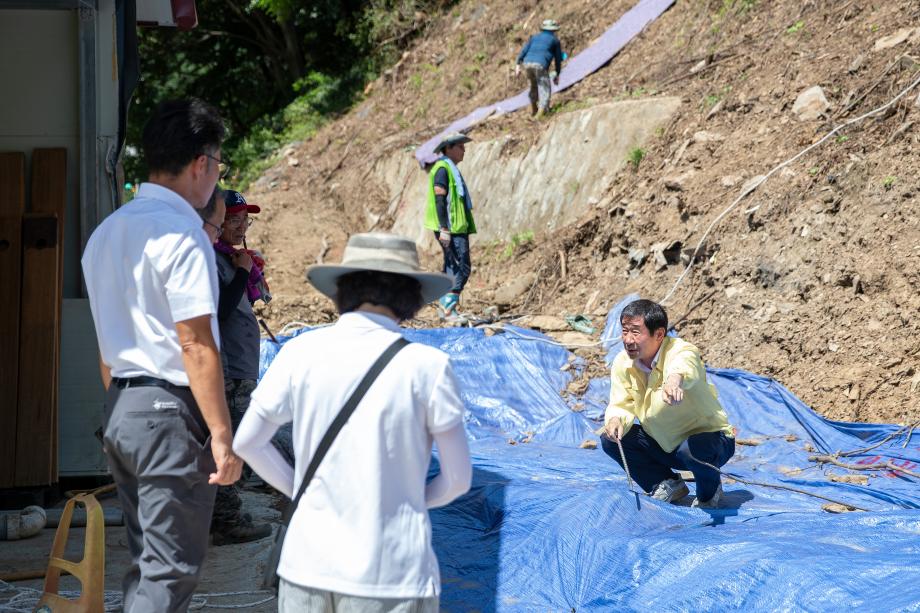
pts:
[51, 198]
[40, 327]
[12, 184]
[35, 422]
[12, 204]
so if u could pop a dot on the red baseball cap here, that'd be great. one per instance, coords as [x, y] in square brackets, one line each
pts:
[236, 203]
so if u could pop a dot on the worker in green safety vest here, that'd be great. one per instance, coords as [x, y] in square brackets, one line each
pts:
[449, 215]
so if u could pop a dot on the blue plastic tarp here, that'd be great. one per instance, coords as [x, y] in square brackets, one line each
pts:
[548, 526]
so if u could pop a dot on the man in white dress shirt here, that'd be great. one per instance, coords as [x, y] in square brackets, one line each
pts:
[152, 285]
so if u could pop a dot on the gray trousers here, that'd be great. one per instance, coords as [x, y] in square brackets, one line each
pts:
[540, 85]
[158, 450]
[293, 598]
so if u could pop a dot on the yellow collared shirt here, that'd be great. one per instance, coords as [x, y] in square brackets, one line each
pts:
[635, 395]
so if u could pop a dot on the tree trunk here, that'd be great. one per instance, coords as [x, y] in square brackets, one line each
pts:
[295, 59]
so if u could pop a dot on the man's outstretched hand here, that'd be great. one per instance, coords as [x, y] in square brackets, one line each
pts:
[672, 392]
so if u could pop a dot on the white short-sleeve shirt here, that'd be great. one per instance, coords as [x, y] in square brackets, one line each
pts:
[362, 526]
[147, 266]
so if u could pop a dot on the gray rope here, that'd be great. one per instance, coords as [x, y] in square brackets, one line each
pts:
[15, 599]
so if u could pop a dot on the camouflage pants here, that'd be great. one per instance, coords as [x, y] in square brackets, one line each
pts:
[540, 86]
[228, 504]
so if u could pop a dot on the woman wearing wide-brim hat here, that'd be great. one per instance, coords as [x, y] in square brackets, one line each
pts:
[360, 537]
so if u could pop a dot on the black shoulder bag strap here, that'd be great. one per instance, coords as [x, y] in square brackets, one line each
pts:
[270, 578]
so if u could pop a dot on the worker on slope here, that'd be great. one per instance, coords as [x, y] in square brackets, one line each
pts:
[449, 214]
[540, 51]
[661, 381]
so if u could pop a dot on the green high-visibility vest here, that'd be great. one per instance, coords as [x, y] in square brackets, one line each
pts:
[461, 219]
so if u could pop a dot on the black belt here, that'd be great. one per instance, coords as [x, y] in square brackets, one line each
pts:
[144, 381]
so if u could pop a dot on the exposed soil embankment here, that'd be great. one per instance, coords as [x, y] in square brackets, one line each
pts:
[811, 279]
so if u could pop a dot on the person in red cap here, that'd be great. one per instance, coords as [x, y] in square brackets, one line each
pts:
[241, 283]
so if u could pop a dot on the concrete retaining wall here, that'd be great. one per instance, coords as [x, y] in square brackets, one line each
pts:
[546, 187]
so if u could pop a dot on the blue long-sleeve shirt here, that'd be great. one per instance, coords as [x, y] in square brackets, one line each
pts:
[542, 48]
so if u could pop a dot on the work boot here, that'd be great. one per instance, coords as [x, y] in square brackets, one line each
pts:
[713, 503]
[670, 490]
[447, 305]
[241, 531]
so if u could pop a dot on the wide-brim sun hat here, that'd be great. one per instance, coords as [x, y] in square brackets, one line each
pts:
[549, 24]
[452, 139]
[379, 252]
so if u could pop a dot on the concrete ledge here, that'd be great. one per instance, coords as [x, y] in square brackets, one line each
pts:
[548, 186]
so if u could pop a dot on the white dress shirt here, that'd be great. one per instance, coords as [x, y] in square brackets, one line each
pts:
[147, 266]
[362, 526]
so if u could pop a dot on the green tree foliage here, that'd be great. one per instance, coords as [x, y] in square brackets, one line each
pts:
[276, 69]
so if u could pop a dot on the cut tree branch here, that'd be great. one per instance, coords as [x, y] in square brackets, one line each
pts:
[889, 465]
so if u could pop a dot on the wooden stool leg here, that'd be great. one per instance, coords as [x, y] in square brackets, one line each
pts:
[90, 570]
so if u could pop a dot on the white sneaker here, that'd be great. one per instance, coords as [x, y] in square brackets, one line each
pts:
[713, 503]
[670, 490]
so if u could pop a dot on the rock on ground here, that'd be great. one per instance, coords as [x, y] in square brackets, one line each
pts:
[811, 104]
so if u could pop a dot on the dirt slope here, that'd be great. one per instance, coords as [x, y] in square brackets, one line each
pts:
[811, 280]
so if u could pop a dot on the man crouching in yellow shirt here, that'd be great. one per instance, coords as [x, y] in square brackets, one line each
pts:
[661, 381]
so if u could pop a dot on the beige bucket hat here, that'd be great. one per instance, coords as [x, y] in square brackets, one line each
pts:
[381, 252]
[549, 24]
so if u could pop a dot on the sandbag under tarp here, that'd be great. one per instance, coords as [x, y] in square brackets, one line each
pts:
[548, 526]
